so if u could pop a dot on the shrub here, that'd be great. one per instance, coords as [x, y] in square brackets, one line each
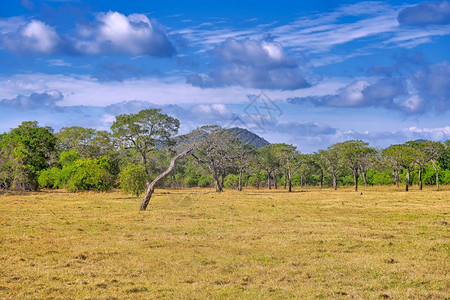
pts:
[90, 174]
[231, 181]
[49, 178]
[132, 179]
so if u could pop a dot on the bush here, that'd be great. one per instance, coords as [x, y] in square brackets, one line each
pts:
[231, 181]
[78, 174]
[132, 179]
[205, 181]
[191, 181]
[49, 178]
[382, 179]
[90, 174]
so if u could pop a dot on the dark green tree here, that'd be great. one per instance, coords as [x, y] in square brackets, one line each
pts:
[27, 150]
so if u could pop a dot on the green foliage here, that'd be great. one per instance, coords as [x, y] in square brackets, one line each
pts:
[231, 181]
[204, 181]
[382, 178]
[78, 174]
[25, 152]
[132, 179]
[90, 174]
[50, 178]
[68, 157]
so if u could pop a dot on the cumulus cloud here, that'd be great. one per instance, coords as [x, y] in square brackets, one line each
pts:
[265, 54]
[426, 13]
[34, 101]
[110, 33]
[33, 37]
[253, 64]
[115, 33]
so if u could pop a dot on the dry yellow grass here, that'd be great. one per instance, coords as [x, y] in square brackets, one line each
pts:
[196, 244]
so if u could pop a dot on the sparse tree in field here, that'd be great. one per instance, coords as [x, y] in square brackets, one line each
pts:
[425, 152]
[218, 150]
[392, 155]
[286, 156]
[404, 155]
[243, 160]
[331, 160]
[320, 166]
[429, 152]
[367, 160]
[145, 132]
[267, 161]
[353, 153]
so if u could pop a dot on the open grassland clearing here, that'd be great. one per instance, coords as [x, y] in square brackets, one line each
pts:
[195, 243]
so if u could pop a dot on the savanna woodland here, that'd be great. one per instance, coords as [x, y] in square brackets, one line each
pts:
[139, 147]
[232, 216]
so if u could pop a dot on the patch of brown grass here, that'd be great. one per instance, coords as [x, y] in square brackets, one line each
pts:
[383, 243]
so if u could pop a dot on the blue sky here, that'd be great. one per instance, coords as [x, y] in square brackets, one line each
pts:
[310, 73]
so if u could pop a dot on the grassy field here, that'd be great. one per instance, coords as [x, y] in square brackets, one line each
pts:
[196, 244]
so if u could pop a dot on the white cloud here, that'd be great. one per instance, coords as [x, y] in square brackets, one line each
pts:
[34, 37]
[114, 32]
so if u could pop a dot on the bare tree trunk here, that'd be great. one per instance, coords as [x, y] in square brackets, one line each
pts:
[152, 185]
[216, 180]
[285, 178]
[407, 180]
[397, 178]
[321, 179]
[334, 181]
[355, 178]
[437, 180]
[240, 181]
[420, 178]
[268, 180]
[365, 178]
[275, 183]
[290, 181]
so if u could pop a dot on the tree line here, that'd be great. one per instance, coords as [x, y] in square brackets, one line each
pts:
[139, 148]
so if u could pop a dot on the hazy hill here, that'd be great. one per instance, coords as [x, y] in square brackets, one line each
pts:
[248, 137]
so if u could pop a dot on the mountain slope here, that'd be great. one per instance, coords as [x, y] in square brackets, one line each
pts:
[249, 138]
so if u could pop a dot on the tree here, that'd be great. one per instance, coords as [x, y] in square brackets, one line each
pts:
[432, 151]
[160, 177]
[331, 160]
[243, 161]
[286, 157]
[353, 153]
[404, 156]
[79, 138]
[217, 149]
[26, 151]
[145, 132]
[424, 152]
[267, 160]
[392, 155]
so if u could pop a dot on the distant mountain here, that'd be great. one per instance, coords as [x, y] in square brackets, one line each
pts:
[249, 138]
